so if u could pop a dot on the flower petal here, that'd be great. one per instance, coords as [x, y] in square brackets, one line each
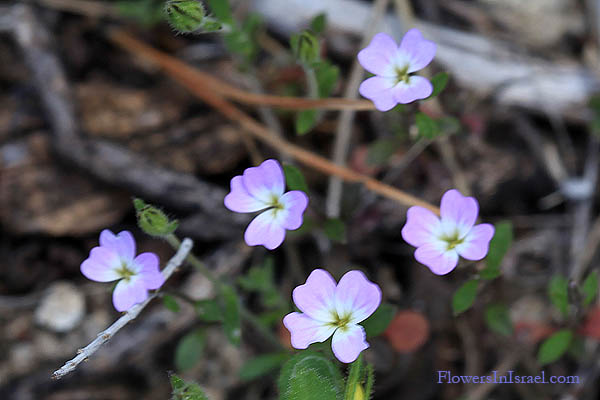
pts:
[239, 200]
[265, 181]
[123, 243]
[417, 88]
[459, 213]
[128, 293]
[380, 91]
[149, 272]
[349, 342]
[477, 242]
[294, 203]
[316, 298]
[422, 226]
[419, 50]
[378, 56]
[265, 230]
[356, 296]
[305, 330]
[432, 255]
[101, 265]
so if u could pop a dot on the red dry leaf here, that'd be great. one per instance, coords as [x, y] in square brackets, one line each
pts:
[408, 331]
[591, 325]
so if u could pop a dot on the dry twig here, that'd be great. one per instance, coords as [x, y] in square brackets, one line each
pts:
[130, 315]
[195, 82]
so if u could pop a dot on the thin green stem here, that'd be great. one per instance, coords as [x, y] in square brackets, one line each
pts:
[246, 314]
[353, 378]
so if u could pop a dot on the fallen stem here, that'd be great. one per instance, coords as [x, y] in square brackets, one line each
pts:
[104, 336]
[202, 85]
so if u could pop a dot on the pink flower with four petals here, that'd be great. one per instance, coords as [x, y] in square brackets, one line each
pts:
[439, 241]
[262, 189]
[394, 66]
[329, 309]
[115, 259]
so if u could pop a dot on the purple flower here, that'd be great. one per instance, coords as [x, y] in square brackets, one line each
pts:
[115, 259]
[330, 309]
[261, 189]
[439, 242]
[394, 66]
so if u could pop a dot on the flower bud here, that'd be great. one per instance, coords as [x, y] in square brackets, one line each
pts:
[152, 220]
[188, 16]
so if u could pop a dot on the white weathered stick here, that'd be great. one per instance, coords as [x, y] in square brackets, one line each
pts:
[130, 315]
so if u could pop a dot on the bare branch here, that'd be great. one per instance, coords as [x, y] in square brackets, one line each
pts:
[130, 315]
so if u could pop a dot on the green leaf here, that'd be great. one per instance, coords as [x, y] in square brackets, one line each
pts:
[309, 376]
[558, 291]
[294, 178]
[497, 319]
[305, 121]
[381, 150]
[231, 315]
[378, 322]
[186, 391]
[189, 350]
[305, 46]
[221, 11]
[259, 278]
[439, 82]
[318, 24]
[327, 76]
[589, 289]
[465, 296]
[262, 365]
[555, 346]
[499, 245]
[428, 127]
[209, 311]
[170, 303]
[335, 229]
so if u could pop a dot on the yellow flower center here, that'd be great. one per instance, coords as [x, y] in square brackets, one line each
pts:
[452, 240]
[125, 272]
[340, 322]
[402, 75]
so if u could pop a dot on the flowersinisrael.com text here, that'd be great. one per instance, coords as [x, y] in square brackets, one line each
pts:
[508, 377]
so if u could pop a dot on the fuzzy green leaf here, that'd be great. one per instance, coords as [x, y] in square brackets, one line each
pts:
[555, 346]
[335, 229]
[498, 320]
[590, 288]
[309, 376]
[262, 365]
[294, 178]
[378, 322]
[439, 82]
[231, 315]
[427, 126]
[189, 350]
[558, 291]
[170, 303]
[499, 245]
[464, 297]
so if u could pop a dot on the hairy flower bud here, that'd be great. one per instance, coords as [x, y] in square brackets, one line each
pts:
[152, 220]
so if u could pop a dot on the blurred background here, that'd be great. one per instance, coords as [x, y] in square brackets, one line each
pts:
[86, 125]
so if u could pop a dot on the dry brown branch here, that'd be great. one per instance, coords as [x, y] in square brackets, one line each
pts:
[198, 82]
